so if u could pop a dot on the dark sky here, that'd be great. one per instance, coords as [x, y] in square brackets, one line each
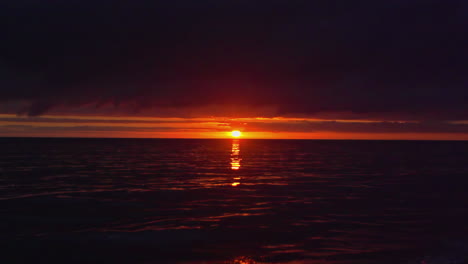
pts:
[386, 59]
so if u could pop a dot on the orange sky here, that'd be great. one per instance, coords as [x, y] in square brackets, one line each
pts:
[267, 128]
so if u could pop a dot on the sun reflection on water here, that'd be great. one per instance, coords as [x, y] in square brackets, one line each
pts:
[235, 160]
[235, 157]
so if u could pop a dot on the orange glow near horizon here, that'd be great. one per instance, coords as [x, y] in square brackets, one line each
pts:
[12, 125]
[251, 135]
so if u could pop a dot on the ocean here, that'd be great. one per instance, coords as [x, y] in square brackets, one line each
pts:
[195, 201]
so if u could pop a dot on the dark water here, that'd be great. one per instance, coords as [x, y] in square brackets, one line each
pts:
[219, 201]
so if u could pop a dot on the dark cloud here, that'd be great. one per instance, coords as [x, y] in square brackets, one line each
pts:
[106, 120]
[76, 129]
[405, 59]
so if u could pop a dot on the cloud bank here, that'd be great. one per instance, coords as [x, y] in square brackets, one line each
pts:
[366, 59]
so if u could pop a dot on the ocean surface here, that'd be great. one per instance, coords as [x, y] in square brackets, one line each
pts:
[233, 201]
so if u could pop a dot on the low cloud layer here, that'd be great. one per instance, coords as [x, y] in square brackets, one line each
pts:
[101, 126]
[372, 59]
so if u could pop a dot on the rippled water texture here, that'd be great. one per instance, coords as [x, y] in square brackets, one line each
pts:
[233, 201]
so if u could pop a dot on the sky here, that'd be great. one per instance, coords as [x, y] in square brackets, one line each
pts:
[388, 69]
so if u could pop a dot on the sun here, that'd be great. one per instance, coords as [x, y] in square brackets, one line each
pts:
[236, 133]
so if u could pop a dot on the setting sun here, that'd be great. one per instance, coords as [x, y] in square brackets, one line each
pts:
[236, 133]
